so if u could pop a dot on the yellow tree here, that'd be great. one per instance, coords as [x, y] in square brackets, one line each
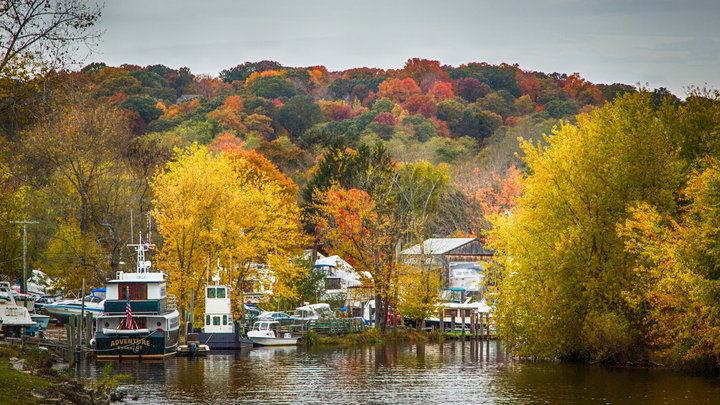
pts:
[678, 271]
[566, 269]
[221, 206]
[418, 288]
[188, 193]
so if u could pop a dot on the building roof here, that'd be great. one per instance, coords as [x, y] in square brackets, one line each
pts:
[438, 246]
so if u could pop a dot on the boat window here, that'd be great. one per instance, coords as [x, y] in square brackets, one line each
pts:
[207, 319]
[216, 320]
[224, 319]
[211, 293]
[221, 292]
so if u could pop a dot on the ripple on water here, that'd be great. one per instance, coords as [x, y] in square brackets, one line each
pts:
[451, 373]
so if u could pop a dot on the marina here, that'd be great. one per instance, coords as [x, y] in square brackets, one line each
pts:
[455, 372]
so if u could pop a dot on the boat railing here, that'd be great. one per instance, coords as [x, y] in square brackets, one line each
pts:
[135, 313]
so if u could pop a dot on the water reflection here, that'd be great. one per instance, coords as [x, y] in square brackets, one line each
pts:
[453, 372]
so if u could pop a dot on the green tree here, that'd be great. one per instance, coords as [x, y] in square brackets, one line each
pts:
[144, 106]
[299, 114]
[272, 87]
[243, 71]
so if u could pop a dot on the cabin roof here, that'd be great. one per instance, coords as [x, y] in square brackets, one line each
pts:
[438, 246]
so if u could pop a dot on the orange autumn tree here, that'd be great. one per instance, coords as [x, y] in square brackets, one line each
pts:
[398, 90]
[501, 192]
[364, 231]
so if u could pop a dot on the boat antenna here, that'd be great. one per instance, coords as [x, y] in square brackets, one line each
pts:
[149, 227]
[131, 227]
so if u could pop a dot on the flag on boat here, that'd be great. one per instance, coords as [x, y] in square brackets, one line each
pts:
[129, 324]
[144, 242]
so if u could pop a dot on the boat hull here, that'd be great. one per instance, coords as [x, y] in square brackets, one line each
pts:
[154, 344]
[63, 312]
[273, 341]
[224, 341]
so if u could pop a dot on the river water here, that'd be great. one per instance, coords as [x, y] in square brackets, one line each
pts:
[453, 373]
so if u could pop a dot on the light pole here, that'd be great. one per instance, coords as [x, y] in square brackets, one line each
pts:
[24, 224]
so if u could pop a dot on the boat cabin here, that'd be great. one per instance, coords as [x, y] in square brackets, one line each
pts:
[218, 311]
[266, 325]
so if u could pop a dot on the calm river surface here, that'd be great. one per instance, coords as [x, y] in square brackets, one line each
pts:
[453, 372]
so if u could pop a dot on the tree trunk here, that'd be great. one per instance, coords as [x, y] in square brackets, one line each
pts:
[380, 313]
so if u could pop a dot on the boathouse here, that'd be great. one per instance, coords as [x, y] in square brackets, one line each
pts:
[462, 261]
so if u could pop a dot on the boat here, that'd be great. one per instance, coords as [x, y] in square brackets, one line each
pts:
[13, 317]
[193, 350]
[313, 311]
[41, 321]
[136, 321]
[266, 333]
[63, 309]
[220, 331]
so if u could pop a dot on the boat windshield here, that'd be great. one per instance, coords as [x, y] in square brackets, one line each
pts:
[92, 298]
[264, 325]
[216, 292]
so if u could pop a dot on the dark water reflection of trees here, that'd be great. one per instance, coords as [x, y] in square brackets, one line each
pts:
[454, 372]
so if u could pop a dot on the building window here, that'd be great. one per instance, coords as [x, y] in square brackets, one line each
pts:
[332, 283]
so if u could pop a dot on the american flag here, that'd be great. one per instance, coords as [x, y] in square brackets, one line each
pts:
[129, 324]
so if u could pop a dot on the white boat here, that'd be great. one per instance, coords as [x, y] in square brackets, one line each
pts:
[13, 317]
[313, 311]
[63, 309]
[265, 333]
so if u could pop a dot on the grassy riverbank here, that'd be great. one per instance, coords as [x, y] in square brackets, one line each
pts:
[27, 377]
[373, 336]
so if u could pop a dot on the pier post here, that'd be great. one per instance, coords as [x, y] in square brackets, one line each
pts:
[452, 321]
[462, 318]
[487, 317]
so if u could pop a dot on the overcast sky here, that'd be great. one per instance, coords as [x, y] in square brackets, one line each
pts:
[673, 43]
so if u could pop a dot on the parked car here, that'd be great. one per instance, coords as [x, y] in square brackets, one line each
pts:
[281, 317]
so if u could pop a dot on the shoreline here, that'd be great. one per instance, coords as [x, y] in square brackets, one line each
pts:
[30, 375]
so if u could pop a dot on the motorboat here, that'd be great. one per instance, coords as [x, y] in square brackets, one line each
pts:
[13, 317]
[136, 321]
[63, 309]
[266, 333]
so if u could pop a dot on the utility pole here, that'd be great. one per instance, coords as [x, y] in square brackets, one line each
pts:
[24, 224]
